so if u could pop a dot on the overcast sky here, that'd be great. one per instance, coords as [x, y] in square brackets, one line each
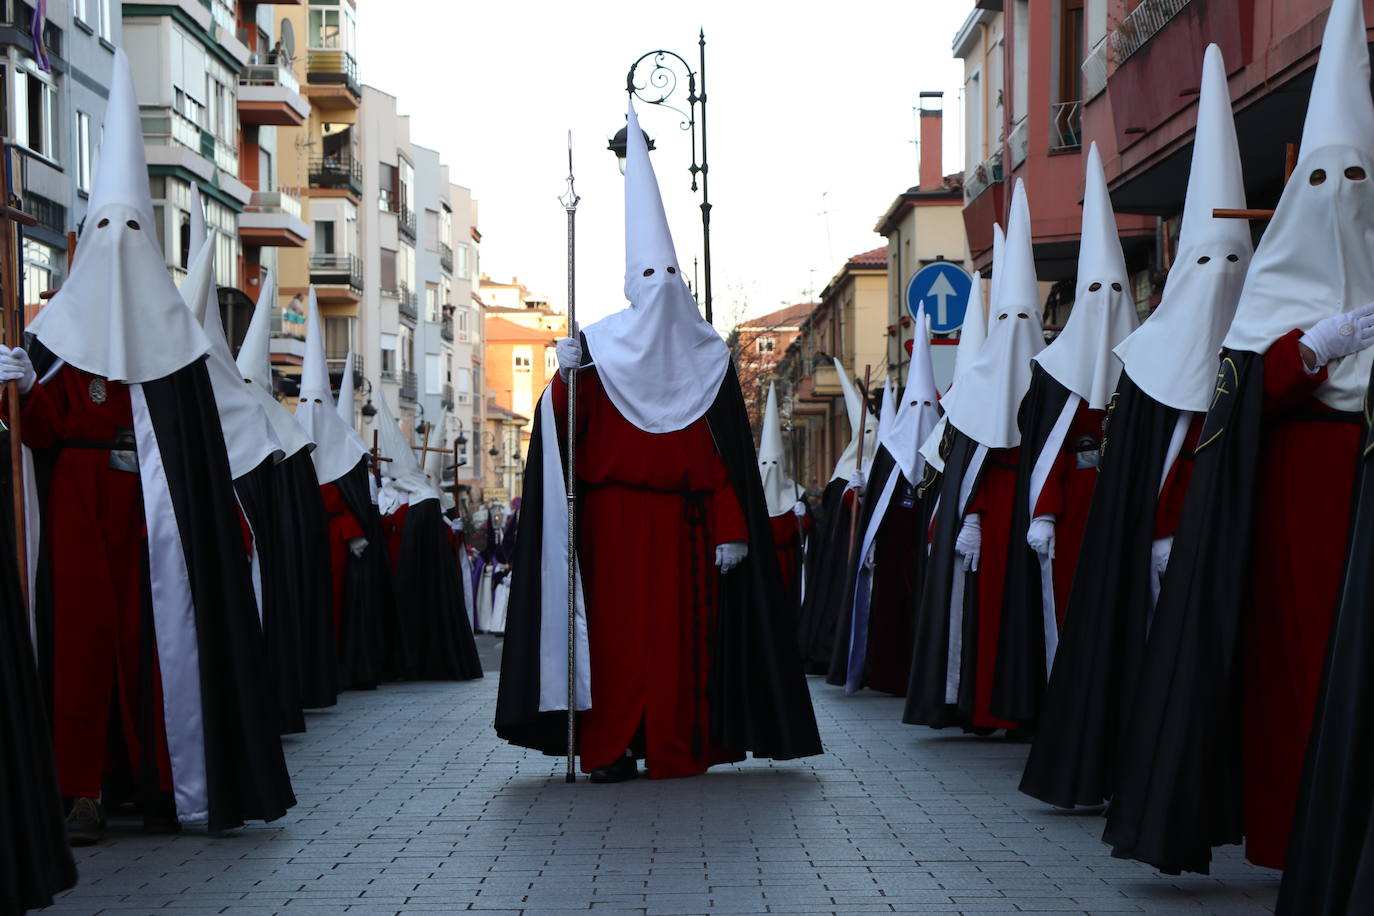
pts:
[810, 120]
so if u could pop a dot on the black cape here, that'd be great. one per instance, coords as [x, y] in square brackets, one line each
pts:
[1178, 792]
[245, 770]
[925, 695]
[826, 566]
[1330, 867]
[1019, 684]
[879, 471]
[429, 598]
[1092, 686]
[280, 613]
[303, 533]
[759, 701]
[372, 644]
[35, 860]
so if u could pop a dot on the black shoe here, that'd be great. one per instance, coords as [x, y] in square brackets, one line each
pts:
[160, 816]
[623, 770]
[85, 823]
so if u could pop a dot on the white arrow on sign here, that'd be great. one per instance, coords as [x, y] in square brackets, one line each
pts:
[941, 291]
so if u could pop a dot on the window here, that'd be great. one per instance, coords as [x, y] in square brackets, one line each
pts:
[79, 10]
[338, 337]
[35, 111]
[85, 153]
[41, 271]
[434, 373]
[461, 319]
[432, 302]
[461, 268]
[523, 359]
[388, 345]
[445, 292]
[550, 361]
[388, 276]
[445, 226]
[765, 344]
[324, 236]
[331, 27]
[462, 381]
[103, 26]
[388, 189]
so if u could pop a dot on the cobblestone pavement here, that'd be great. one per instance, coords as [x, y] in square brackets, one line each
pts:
[408, 803]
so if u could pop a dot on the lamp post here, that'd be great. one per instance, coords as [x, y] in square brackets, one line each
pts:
[368, 411]
[659, 81]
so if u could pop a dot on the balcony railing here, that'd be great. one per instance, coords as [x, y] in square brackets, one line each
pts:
[405, 222]
[1018, 143]
[1066, 127]
[333, 68]
[446, 327]
[50, 214]
[408, 386]
[269, 75]
[406, 302]
[337, 173]
[337, 270]
[1143, 23]
[282, 200]
[446, 257]
[1095, 70]
[983, 176]
[169, 127]
[447, 397]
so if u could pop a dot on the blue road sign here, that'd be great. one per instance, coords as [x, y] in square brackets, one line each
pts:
[944, 288]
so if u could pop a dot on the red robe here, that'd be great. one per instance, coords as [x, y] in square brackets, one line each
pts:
[789, 543]
[647, 552]
[1067, 495]
[993, 499]
[343, 527]
[1169, 508]
[1306, 478]
[393, 525]
[97, 537]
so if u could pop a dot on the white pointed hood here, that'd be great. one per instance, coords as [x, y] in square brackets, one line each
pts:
[1103, 315]
[248, 435]
[779, 490]
[859, 417]
[917, 414]
[984, 403]
[346, 403]
[660, 363]
[119, 288]
[1314, 259]
[337, 449]
[1173, 356]
[403, 472]
[254, 365]
[887, 409]
[974, 330]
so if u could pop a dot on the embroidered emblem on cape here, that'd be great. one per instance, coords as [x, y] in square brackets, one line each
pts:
[97, 391]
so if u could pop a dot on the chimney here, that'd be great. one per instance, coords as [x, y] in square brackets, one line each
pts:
[932, 141]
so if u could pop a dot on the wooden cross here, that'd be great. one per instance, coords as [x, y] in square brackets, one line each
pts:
[457, 463]
[375, 459]
[1290, 163]
[13, 319]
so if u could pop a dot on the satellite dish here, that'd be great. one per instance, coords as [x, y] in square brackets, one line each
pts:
[288, 39]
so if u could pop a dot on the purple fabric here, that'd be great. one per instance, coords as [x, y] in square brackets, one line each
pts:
[40, 18]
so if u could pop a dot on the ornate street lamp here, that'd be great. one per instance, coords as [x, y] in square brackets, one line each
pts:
[656, 86]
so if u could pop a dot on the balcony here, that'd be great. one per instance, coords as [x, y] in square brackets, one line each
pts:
[447, 397]
[1143, 23]
[446, 328]
[446, 257]
[342, 174]
[406, 303]
[338, 278]
[982, 176]
[408, 386]
[270, 94]
[1018, 143]
[1066, 127]
[405, 222]
[1094, 71]
[273, 219]
[331, 79]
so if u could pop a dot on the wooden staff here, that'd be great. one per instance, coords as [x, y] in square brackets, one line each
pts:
[377, 459]
[1290, 163]
[13, 309]
[859, 464]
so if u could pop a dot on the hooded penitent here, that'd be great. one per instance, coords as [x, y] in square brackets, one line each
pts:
[972, 333]
[858, 415]
[338, 449]
[254, 364]
[1169, 379]
[225, 757]
[1103, 315]
[779, 491]
[403, 471]
[1313, 261]
[690, 358]
[1173, 355]
[984, 402]
[917, 413]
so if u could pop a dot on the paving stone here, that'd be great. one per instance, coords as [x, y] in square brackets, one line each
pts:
[408, 803]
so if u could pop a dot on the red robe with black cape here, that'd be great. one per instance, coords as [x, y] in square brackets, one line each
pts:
[1215, 746]
[735, 675]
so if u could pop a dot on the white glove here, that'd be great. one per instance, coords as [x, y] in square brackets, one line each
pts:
[569, 354]
[1040, 535]
[357, 546]
[856, 479]
[1340, 335]
[1159, 554]
[799, 509]
[871, 558]
[16, 367]
[730, 555]
[969, 543]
